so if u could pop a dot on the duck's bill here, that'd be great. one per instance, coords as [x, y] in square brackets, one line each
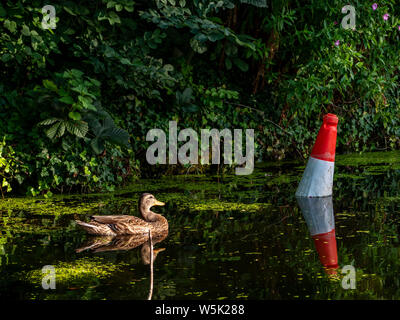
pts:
[159, 203]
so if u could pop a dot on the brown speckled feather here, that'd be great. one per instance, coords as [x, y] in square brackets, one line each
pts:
[119, 219]
[122, 225]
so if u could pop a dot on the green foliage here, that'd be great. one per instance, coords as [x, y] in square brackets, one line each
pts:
[112, 70]
[10, 168]
[57, 129]
[105, 130]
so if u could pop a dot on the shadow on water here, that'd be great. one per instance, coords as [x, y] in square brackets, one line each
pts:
[238, 237]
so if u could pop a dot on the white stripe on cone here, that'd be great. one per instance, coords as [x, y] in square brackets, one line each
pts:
[317, 179]
[318, 213]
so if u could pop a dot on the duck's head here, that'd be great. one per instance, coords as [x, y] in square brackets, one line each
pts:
[146, 201]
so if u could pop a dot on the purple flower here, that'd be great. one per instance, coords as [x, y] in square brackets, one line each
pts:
[386, 16]
[374, 6]
[337, 43]
[399, 28]
[335, 22]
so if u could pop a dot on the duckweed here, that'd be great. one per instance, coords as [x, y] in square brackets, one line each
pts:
[368, 158]
[215, 205]
[81, 272]
[53, 206]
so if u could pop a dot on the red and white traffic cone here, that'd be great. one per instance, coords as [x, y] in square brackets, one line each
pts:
[318, 213]
[317, 178]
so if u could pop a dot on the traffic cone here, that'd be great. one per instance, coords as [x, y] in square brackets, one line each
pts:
[317, 178]
[318, 213]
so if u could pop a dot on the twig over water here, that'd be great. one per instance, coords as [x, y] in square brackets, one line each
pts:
[151, 266]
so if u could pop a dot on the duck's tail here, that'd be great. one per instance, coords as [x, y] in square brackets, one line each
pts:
[95, 228]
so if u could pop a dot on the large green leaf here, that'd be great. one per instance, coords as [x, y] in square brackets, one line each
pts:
[117, 136]
[104, 129]
[48, 84]
[52, 131]
[74, 115]
[78, 128]
[243, 66]
[47, 122]
[67, 100]
[97, 145]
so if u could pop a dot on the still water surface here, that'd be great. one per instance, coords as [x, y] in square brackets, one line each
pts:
[229, 237]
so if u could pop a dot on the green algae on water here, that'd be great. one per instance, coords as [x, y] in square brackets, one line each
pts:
[368, 158]
[38, 206]
[81, 272]
[216, 205]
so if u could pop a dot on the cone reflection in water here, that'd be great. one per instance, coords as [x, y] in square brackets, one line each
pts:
[317, 179]
[327, 251]
[318, 213]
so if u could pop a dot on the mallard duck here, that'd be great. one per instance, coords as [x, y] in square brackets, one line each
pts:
[129, 225]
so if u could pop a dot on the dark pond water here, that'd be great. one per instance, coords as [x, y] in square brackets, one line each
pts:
[232, 237]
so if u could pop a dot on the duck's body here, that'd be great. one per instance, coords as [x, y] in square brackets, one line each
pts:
[128, 225]
[122, 225]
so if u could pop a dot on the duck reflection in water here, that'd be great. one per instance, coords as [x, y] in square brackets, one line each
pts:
[318, 213]
[127, 242]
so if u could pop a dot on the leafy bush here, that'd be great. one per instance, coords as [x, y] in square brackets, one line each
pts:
[77, 101]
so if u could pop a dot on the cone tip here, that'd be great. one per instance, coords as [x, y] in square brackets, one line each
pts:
[331, 118]
[331, 270]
